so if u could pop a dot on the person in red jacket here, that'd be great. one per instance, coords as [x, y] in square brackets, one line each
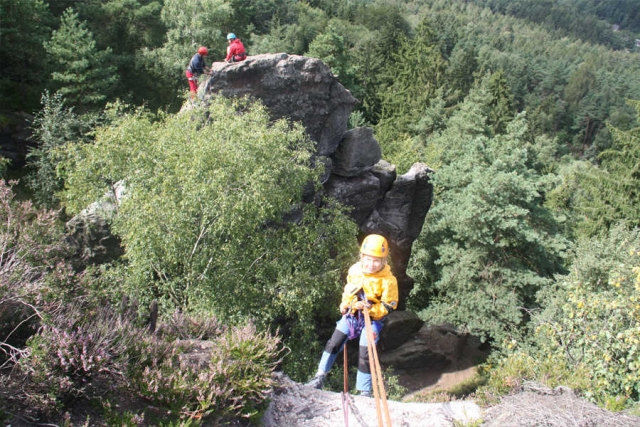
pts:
[235, 51]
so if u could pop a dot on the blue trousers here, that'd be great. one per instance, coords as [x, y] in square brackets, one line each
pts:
[335, 345]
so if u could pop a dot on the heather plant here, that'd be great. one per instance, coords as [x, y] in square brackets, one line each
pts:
[33, 270]
[182, 326]
[71, 349]
[232, 384]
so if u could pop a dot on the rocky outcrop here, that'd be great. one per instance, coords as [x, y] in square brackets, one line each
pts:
[293, 404]
[304, 89]
[90, 231]
[294, 87]
[436, 346]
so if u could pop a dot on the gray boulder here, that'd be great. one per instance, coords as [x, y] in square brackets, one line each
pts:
[435, 346]
[357, 153]
[399, 326]
[291, 86]
[89, 232]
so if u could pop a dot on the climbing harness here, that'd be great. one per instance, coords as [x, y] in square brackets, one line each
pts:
[376, 374]
[356, 324]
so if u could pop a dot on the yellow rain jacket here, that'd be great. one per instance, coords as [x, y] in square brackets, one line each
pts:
[380, 289]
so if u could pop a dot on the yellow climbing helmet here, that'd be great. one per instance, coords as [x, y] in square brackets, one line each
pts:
[375, 245]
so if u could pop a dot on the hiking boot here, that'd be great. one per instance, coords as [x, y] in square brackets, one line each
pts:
[365, 393]
[317, 381]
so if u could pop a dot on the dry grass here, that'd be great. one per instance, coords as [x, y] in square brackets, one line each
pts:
[540, 406]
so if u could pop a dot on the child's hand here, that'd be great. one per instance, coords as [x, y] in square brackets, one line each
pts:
[360, 305]
[344, 307]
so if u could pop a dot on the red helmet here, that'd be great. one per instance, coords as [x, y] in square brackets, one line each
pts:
[203, 51]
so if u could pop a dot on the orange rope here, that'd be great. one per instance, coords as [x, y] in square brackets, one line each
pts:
[345, 393]
[376, 373]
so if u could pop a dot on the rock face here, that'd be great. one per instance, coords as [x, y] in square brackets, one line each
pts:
[295, 87]
[304, 89]
[90, 231]
[293, 404]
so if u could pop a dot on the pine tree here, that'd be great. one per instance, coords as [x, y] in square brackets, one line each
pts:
[489, 244]
[418, 71]
[610, 193]
[84, 76]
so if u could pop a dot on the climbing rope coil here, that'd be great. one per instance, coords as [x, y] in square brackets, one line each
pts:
[380, 396]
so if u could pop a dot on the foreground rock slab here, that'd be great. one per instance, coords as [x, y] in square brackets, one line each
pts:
[296, 404]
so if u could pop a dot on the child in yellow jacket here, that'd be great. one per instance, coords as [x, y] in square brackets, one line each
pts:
[371, 284]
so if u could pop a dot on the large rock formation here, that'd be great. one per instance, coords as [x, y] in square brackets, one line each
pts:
[304, 89]
[294, 87]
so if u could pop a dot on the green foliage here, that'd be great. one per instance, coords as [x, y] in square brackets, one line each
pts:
[129, 27]
[593, 319]
[577, 18]
[213, 221]
[32, 267]
[53, 127]
[83, 74]
[489, 245]
[330, 47]
[189, 25]
[232, 384]
[507, 372]
[415, 75]
[604, 194]
[4, 165]
[587, 335]
[296, 36]
[25, 25]
[502, 110]
[392, 386]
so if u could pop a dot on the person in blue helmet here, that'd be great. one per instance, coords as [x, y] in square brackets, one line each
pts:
[235, 51]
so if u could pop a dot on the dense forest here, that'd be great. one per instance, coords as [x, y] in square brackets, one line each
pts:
[527, 111]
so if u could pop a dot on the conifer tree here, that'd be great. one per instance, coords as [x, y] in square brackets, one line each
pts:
[610, 193]
[83, 74]
[24, 26]
[489, 244]
[418, 71]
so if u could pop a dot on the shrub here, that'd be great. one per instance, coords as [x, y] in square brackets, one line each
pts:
[33, 270]
[183, 327]
[232, 384]
[53, 127]
[216, 219]
[588, 336]
[71, 349]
